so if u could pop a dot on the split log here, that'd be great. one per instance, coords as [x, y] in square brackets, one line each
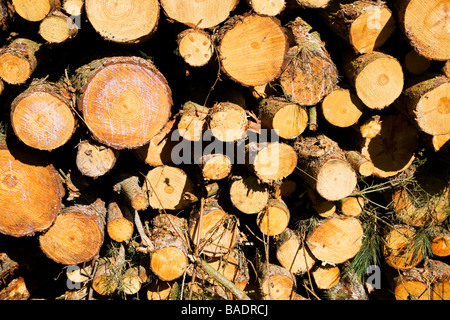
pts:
[310, 74]
[119, 222]
[376, 77]
[342, 108]
[252, 49]
[195, 47]
[365, 25]
[31, 192]
[57, 27]
[125, 101]
[123, 22]
[267, 7]
[192, 122]
[288, 119]
[426, 27]
[324, 167]
[247, 194]
[276, 282]
[326, 276]
[131, 190]
[336, 240]
[398, 248]
[94, 159]
[18, 60]
[227, 121]
[428, 104]
[7, 15]
[293, 254]
[313, 3]
[215, 166]
[415, 63]
[352, 206]
[42, 116]
[36, 12]
[440, 242]
[359, 163]
[169, 188]
[77, 234]
[274, 219]
[73, 7]
[271, 161]
[207, 14]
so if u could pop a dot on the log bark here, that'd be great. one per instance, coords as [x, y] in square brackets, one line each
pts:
[398, 248]
[195, 47]
[119, 106]
[274, 219]
[342, 108]
[227, 121]
[252, 49]
[359, 163]
[18, 60]
[348, 288]
[57, 28]
[36, 12]
[247, 194]
[77, 235]
[16, 290]
[276, 282]
[267, 7]
[132, 22]
[7, 15]
[131, 190]
[119, 223]
[94, 159]
[42, 116]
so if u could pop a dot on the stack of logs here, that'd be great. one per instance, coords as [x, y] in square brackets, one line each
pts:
[299, 151]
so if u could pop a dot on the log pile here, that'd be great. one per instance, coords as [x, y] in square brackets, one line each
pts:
[259, 149]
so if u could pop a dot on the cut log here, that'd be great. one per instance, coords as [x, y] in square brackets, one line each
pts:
[348, 288]
[310, 74]
[195, 47]
[352, 206]
[73, 7]
[365, 25]
[215, 166]
[326, 276]
[31, 192]
[376, 77]
[247, 194]
[252, 49]
[123, 21]
[160, 290]
[342, 108]
[169, 188]
[106, 279]
[440, 242]
[7, 15]
[267, 7]
[398, 248]
[428, 104]
[440, 142]
[16, 290]
[271, 161]
[323, 207]
[42, 115]
[205, 14]
[292, 254]
[125, 101]
[336, 240]
[18, 60]
[359, 163]
[119, 223]
[324, 167]
[57, 27]
[274, 219]
[192, 122]
[276, 282]
[227, 121]
[168, 223]
[393, 149]
[426, 27]
[415, 63]
[132, 279]
[313, 3]
[131, 190]
[212, 230]
[94, 159]
[35, 10]
[77, 234]
[288, 119]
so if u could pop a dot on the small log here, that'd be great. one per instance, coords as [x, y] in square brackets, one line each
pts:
[107, 277]
[440, 242]
[342, 108]
[132, 280]
[227, 121]
[131, 190]
[73, 7]
[119, 223]
[276, 282]
[348, 288]
[7, 15]
[352, 206]
[440, 142]
[160, 290]
[326, 276]
[36, 12]
[274, 219]
[192, 122]
[215, 166]
[359, 163]
[57, 28]
[398, 248]
[324, 208]
[247, 194]
[195, 47]
[94, 159]
[267, 7]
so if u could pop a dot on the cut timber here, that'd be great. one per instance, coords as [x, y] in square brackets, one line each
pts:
[125, 101]
[161, 290]
[73, 7]
[271, 161]
[168, 223]
[267, 7]
[392, 149]
[195, 47]
[313, 3]
[130, 188]
[31, 192]
[323, 207]
[169, 188]
[42, 115]
[129, 21]
[352, 206]
[326, 276]
[119, 223]
[192, 122]
[18, 60]
[415, 63]
[252, 49]
[376, 77]
[349, 287]
[34, 10]
[310, 74]
[359, 163]
[248, 195]
[227, 121]
[16, 290]
[324, 167]
[398, 248]
[292, 254]
[57, 28]
[288, 119]
[440, 142]
[365, 25]
[276, 282]
[342, 108]
[425, 24]
[77, 234]
[336, 240]
[215, 166]
[214, 230]
[94, 159]
[106, 278]
[274, 219]
[428, 104]
[440, 242]
[199, 14]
